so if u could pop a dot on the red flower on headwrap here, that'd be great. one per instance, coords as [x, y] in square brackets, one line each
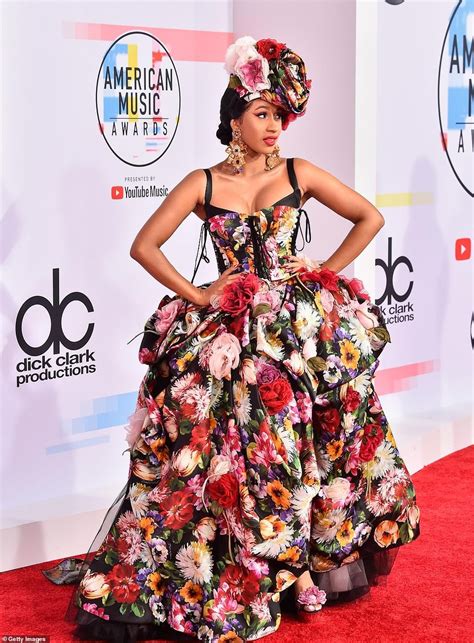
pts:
[283, 82]
[270, 48]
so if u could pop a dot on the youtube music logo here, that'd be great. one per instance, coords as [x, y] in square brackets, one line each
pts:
[116, 192]
[462, 249]
[138, 192]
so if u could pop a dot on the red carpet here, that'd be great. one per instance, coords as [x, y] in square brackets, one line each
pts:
[427, 597]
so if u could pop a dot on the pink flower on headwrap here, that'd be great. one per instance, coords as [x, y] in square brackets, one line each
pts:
[253, 73]
[242, 49]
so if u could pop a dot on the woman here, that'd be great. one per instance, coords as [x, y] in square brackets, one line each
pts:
[261, 458]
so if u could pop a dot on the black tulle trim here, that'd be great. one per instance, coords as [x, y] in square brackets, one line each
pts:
[93, 628]
[357, 578]
[362, 574]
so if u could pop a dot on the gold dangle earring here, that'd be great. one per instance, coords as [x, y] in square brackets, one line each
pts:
[273, 159]
[236, 151]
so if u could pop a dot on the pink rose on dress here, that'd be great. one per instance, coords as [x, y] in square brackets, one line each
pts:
[266, 372]
[270, 300]
[165, 316]
[366, 318]
[253, 73]
[248, 371]
[135, 425]
[327, 300]
[359, 288]
[338, 491]
[224, 355]
[309, 349]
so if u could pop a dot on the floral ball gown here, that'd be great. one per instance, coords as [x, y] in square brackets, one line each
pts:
[258, 449]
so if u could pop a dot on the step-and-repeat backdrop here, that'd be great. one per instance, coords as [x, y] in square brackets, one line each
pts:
[425, 189]
[105, 108]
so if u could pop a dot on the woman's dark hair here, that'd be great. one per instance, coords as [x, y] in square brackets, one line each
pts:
[232, 106]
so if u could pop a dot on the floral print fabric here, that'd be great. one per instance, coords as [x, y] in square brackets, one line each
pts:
[258, 448]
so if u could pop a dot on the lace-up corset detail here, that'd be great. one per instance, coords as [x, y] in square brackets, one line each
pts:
[260, 241]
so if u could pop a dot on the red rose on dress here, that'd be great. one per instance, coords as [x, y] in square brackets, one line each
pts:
[351, 401]
[232, 577]
[242, 584]
[329, 420]
[237, 295]
[123, 585]
[367, 451]
[373, 436]
[327, 278]
[236, 327]
[146, 356]
[326, 332]
[122, 547]
[276, 395]
[179, 507]
[269, 48]
[200, 438]
[224, 491]
[250, 587]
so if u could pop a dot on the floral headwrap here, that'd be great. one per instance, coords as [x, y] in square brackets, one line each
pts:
[267, 69]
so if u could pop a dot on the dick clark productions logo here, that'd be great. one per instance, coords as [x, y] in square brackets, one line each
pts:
[59, 365]
[138, 98]
[402, 309]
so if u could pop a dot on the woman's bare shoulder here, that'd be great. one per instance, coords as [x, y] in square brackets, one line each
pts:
[194, 175]
[304, 165]
[194, 181]
[305, 171]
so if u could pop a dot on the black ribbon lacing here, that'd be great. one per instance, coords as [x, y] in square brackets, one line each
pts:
[260, 253]
[306, 236]
[201, 244]
[201, 253]
[307, 231]
[261, 258]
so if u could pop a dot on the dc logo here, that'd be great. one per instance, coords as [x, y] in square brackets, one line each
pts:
[389, 268]
[56, 309]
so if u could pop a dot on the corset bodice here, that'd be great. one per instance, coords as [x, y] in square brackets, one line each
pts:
[258, 242]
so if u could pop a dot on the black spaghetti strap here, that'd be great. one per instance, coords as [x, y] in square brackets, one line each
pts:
[208, 194]
[292, 174]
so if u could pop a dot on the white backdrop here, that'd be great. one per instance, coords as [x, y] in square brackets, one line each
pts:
[63, 439]
[427, 375]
